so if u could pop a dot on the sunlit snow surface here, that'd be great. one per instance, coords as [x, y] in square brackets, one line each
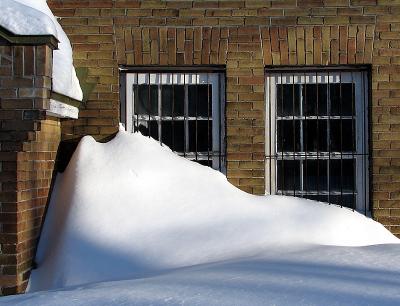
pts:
[33, 17]
[319, 275]
[169, 231]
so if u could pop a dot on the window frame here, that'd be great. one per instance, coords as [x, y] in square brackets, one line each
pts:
[168, 75]
[320, 75]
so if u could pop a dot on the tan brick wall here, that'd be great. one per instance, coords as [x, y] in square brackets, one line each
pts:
[386, 119]
[28, 143]
[107, 33]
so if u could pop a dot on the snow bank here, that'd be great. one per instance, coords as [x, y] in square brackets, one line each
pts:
[130, 208]
[33, 17]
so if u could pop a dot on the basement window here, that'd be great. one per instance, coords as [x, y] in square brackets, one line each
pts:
[317, 135]
[183, 110]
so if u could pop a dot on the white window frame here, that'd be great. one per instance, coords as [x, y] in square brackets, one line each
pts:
[184, 78]
[359, 78]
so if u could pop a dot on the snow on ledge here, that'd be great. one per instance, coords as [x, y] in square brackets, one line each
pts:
[22, 19]
[34, 17]
[62, 110]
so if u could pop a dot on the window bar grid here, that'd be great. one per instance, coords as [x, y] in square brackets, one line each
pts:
[341, 138]
[365, 157]
[282, 139]
[219, 121]
[317, 96]
[136, 91]
[196, 105]
[342, 185]
[149, 103]
[305, 134]
[329, 113]
[270, 136]
[353, 140]
[301, 136]
[173, 114]
[160, 111]
[185, 121]
[208, 121]
[155, 115]
[294, 138]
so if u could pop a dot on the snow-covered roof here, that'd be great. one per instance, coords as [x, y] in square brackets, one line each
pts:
[34, 17]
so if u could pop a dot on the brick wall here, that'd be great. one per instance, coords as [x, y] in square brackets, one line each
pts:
[245, 36]
[28, 143]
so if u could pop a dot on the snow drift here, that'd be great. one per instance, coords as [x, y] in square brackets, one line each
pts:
[33, 17]
[130, 208]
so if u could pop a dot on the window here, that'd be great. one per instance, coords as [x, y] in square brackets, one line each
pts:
[183, 110]
[317, 135]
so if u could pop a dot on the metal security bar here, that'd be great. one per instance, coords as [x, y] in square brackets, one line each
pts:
[184, 110]
[317, 129]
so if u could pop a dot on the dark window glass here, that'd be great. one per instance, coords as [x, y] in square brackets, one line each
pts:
[288, 135]
[346, 200]
[146, 102]
[315, 99]
[288, 99]
[349, 200]
[204, 162]
[342, 99]
[341, 175]
[149, 128]
[202, 134]
[200, 100]
[288, 175]
[315, 174]
[166, 134]
[167, 100]
[341, 135]
[315, 135]
[173, 134]
[172, 97]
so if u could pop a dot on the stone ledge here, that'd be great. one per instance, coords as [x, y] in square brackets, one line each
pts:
[62, 110]
[28, 40]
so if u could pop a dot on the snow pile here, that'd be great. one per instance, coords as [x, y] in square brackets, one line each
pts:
[130, 208]
[33, 17]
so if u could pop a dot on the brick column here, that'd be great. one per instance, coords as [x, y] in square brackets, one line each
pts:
[28, 142]
[245, 109]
